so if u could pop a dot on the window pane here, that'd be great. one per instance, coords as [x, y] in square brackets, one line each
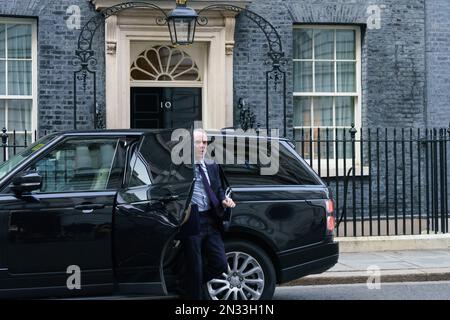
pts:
[302, 111]
[345, 45]
[321, 135]
[326, 149]
[19, 141]
[140, 175]
[324, 76]
[302, 139]
[2, 114]
[303, 77]
[77, 166]
[19, 41]
[2, 41]
[323, 112]
[347, 145]
[324, 44]
[2, 77]
[345, 111]
[156, 151]
[303, 43]
[302, 145]
[346, 76]
[19, 115]
[290, 171]
[19, 78]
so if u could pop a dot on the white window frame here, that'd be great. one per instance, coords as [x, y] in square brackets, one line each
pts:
[357, 95]
[34, 71]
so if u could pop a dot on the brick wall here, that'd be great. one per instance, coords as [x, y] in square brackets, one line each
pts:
[438, 62]
[393, 56]
[393, 59]
[56, 52]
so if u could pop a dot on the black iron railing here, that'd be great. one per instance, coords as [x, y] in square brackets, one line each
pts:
[12, 142]
[385, 181]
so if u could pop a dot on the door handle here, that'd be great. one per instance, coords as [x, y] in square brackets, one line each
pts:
[89, 208]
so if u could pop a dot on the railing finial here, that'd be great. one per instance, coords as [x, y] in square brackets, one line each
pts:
[353, 131]
[4, 136]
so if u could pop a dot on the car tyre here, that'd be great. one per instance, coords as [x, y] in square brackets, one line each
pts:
[250, 273]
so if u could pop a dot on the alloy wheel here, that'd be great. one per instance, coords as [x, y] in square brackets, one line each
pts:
[244, 279]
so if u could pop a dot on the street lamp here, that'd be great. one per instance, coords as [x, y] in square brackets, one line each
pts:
[182, 21]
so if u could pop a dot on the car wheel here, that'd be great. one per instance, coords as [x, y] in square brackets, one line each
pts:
[250, 274]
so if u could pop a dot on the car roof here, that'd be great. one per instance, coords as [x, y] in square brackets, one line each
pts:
[134, 132]
[139, 132]
[252, 135]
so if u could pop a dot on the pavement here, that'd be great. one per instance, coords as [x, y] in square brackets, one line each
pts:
[404, 259]
[408, 264]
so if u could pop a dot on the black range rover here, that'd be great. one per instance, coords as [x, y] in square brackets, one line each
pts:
[97, 213]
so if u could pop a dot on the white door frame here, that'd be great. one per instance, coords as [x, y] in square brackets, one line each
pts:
[217, 84]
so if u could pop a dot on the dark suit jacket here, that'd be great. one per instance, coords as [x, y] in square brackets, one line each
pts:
[191, 227]
[216, 183]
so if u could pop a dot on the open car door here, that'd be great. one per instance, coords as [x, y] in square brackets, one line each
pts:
[151, 209]
[228, 193]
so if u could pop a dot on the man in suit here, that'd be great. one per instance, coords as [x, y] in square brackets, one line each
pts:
[202, 242]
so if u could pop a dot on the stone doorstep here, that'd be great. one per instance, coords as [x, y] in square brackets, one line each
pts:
[329, 278]
[394, 243]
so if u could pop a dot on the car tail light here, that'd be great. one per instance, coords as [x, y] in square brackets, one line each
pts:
[330, 224]
[330, 216]
[330, 206]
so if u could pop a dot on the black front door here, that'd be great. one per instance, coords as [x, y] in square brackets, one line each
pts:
[165, 108]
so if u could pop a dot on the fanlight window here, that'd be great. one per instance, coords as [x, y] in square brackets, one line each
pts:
[164, 63]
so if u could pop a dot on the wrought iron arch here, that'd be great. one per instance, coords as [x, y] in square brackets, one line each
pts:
[276, 58]
[275, 53]
[86, 56]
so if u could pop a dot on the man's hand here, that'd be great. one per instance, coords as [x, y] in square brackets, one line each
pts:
[228, 203]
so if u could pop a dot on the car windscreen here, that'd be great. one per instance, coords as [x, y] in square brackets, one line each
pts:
[19, 158]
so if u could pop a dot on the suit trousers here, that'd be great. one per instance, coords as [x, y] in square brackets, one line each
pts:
[204, 255]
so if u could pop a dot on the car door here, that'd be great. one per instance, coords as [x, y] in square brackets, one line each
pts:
[283, 207]
[58, 238]
[228, 212]
[149, 213]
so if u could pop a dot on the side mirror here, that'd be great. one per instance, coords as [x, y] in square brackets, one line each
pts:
[27, 182]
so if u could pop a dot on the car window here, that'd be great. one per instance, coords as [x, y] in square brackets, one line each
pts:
[247, 171]
[152, 162]
[19, 158]
[140, 174]
[78, 165]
